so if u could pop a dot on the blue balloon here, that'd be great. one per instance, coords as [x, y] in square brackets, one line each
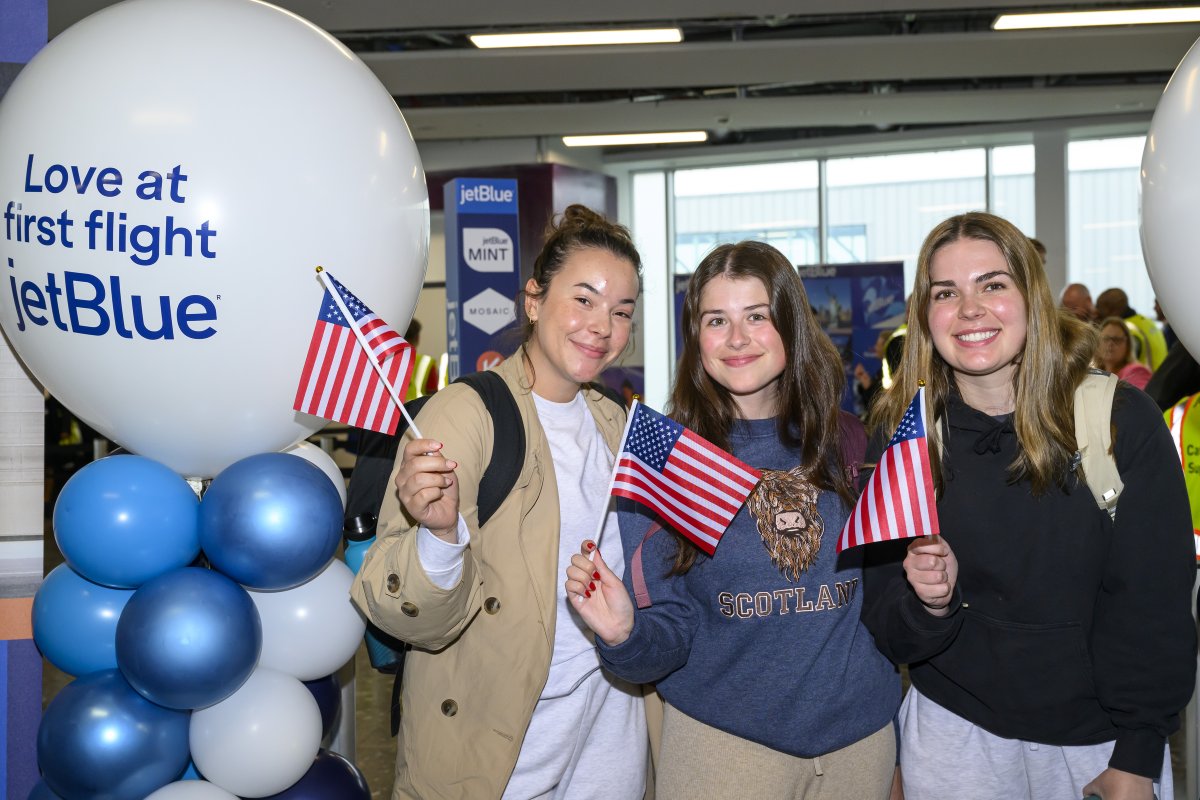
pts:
[123, 520]
[188, 639]
[99, 739]
[271, 521]
[75, 621]
[41, 791]
[331, 776]
[191, 773]
[329, 699]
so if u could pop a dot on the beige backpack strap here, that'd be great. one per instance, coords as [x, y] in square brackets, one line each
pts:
[1093, 434]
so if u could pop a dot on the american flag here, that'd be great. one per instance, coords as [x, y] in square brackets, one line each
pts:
[692, 484]
[898, 501]
[338, 381]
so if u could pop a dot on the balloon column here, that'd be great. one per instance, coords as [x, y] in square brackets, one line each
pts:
[159, 236]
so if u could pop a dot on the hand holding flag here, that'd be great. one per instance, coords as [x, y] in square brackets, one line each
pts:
[695, 486]
[898, 501]
[357, 367]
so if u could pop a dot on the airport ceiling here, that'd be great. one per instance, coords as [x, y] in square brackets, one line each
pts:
[747, 71]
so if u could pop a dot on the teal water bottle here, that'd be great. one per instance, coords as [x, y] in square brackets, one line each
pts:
[359, 535]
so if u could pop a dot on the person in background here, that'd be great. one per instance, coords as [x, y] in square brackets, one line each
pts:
[1077, 300]
[1164, 325]
[1184, 422]
[773, 687]
[866, 385]
[425, 372]
[1177, 377]
[503, 692]
[1051, 647]
[1152, 346]
[1116, 353]
[1040, 248]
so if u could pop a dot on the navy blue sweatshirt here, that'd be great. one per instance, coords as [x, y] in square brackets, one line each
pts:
[1067, 629]
[741, 645]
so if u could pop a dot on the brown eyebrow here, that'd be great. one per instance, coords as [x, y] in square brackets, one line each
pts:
[747, 308]
[987, 276]
[585, 285]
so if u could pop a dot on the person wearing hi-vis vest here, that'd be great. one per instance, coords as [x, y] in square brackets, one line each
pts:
[1185, 431]
[425, 372]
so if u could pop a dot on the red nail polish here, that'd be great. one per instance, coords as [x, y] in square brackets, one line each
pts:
[587, 594]
[596, 575]
[591, 545]
[592, 586]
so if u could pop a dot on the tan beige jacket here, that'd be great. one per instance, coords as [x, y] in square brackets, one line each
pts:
[482, 649]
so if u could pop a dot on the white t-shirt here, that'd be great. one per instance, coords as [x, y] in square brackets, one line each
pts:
[581, 709]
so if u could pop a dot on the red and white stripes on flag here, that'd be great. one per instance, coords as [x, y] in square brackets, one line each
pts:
[695, 486]
[338, 381]
[898, 501]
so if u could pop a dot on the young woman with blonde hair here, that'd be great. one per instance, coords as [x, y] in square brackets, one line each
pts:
[1051, 648]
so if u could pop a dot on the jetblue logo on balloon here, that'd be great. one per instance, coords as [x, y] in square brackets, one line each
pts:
[482, 196]
[85, 304]
[96, 305]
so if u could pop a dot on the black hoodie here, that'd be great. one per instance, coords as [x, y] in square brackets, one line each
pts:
[1066, 628]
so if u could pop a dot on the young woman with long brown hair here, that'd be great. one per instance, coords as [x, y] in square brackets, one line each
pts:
[774, 689]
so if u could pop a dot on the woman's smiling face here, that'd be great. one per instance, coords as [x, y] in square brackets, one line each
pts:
[977, 315]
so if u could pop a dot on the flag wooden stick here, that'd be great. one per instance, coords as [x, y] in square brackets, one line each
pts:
[327, 282]
[613, 478]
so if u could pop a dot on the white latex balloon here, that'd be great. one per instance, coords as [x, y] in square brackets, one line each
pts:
[318, 457]
[161, 228]
[1170, 195]
[310, 631]
[259, 740]
[191, 790]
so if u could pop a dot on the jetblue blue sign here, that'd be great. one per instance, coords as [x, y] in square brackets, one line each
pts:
[484, 196]
[483, 275]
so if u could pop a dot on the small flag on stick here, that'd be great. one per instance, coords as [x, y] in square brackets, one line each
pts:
[357, 366]
[898, 501]
[695, 486]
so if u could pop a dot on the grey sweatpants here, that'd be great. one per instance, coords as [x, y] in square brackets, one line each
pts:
[944, 756]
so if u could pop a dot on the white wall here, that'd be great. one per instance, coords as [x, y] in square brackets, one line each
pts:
[22, 477]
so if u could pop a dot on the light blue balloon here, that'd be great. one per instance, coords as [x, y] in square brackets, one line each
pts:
[188, 639]
[123, 520]
[75, 621]
[99, 739]
[270, 521]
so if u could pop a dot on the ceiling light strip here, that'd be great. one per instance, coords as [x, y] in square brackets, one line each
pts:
[1083, 19]
[612, 139]
[487, 41]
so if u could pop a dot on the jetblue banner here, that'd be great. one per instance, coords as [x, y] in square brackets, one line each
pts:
[858, 306]
[482, 272]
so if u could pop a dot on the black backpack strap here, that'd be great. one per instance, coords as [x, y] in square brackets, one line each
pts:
[499, 476]
[508, 444]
